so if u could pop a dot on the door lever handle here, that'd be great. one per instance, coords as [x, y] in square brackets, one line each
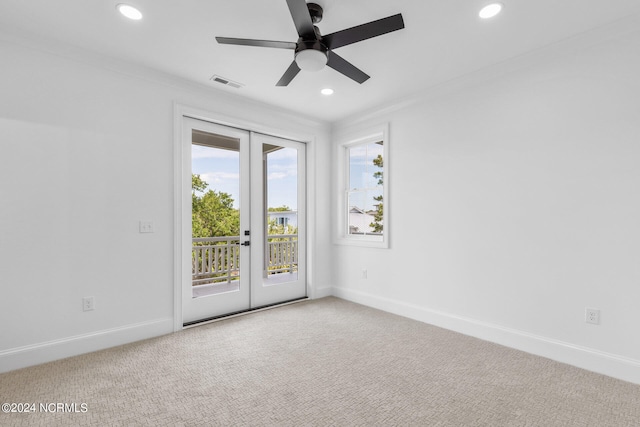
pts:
[247, 243]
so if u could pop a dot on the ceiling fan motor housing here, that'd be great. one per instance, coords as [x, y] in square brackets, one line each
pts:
[315, 10]
[310, 53]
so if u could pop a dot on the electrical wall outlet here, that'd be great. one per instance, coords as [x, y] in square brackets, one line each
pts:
[88, 303]
[364, 273]
[592, 315]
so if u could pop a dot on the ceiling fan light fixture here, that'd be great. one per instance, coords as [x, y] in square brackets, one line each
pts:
[311, 59]
[313, 51]
[129, 11]
[490, 10]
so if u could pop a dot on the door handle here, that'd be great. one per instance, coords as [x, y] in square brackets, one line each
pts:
[247, 243]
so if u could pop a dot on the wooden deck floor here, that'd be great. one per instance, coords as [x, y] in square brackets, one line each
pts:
[234, 286]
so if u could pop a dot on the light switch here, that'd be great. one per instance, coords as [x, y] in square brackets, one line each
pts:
[147, 227]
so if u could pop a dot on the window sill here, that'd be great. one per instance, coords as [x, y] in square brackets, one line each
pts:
[362, 242]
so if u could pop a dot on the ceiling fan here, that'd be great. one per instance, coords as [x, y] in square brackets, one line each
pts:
[312, 50]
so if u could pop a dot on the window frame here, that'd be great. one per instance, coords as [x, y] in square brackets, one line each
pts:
[344, 143]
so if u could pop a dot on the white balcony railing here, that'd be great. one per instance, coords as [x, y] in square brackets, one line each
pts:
[282, 253]
[217, 259]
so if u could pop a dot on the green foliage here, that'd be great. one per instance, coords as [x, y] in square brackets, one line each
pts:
[197, 184]
[213, 214]
[378, 215]
[283, 208]
[379, 163]
[275, 228]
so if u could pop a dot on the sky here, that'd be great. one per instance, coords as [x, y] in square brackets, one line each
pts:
[221, 170]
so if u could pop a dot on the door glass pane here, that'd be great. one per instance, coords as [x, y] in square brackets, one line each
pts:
[281, 216]
[215, 214]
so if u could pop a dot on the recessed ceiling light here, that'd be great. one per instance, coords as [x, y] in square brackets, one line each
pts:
[490, 10]
[327, 91]
[129, 11]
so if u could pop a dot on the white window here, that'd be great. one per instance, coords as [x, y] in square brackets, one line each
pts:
[363, 187]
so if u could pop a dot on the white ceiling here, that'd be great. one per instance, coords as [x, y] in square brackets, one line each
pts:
[443, 39]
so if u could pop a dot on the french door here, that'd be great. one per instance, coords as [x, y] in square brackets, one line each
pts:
[244, 243]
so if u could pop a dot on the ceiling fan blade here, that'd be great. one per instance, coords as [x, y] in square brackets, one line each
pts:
[343, 66]
[363, 32]
[259, 43]
[288, 75]
[302, 19]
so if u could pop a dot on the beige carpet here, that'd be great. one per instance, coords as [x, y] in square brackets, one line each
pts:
[323, 363]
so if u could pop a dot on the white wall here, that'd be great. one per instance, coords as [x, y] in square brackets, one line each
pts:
[86, 152]
[514, 205]
[524, 178]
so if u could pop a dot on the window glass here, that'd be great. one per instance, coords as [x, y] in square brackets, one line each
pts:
[365, 194]
[363, 185]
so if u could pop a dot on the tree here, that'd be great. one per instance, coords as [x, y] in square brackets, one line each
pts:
[213, 214]
[379, 212]
[197, 184]
[275, 228]
[283, 208]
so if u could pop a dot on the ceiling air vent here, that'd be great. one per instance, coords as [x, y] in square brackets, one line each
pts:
[222, 80]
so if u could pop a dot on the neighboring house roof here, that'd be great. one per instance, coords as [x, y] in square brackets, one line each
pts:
[360, 221]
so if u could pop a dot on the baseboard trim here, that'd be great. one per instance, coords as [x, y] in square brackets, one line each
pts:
[322, 292]
[612, 365]
[21, 357]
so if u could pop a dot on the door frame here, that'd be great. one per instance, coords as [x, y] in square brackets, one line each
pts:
[274, 294]
[180, 210]
[196, 309]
